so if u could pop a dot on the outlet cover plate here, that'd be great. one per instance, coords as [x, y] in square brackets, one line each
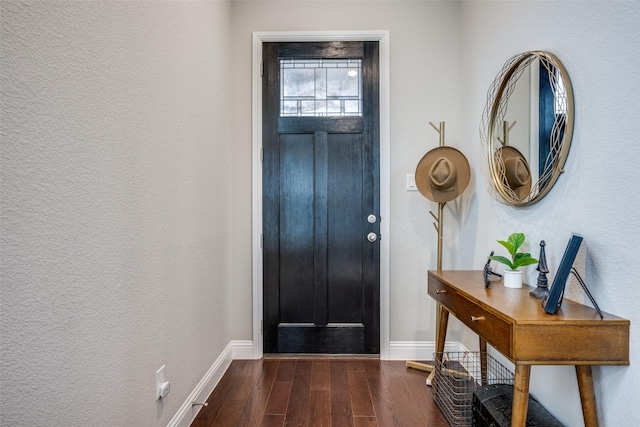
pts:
[411, 182]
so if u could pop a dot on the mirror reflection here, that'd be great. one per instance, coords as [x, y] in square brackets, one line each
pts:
[527, 127]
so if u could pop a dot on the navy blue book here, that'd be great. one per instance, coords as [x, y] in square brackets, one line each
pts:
[552, 303]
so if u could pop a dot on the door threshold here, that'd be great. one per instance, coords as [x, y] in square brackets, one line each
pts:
[319, 356]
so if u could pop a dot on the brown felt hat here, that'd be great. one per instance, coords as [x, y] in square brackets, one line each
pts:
[442, 174]
[516, 171]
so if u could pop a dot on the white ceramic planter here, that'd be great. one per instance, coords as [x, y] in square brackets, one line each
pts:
[512, 279]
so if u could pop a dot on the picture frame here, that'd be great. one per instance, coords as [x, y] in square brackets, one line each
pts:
[553, 301]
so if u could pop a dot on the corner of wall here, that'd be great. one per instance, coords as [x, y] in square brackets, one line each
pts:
[235, 350]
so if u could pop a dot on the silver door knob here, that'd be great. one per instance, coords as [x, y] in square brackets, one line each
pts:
[372, 237]
[372, 219]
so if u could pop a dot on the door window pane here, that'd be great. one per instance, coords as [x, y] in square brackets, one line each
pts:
[320, 87]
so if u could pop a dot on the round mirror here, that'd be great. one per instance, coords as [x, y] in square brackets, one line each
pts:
[527, 127]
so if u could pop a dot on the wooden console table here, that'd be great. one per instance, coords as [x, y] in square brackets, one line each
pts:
[517, 326]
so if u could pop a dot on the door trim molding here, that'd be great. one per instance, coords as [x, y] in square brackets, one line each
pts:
[381, 36]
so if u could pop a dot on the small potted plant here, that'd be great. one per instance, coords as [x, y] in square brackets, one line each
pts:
[512, 276]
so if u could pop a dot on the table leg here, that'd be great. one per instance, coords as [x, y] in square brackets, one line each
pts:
[441, 335]
[520, 396]
[483, 361]
[587, 395]
[442, 330]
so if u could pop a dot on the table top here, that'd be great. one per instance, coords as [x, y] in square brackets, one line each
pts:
[516, 303]
[518, 326]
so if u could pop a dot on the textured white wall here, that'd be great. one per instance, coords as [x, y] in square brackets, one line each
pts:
[599, 43]
[116, 208]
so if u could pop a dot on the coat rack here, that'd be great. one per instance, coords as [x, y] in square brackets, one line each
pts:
[438, 223]
[442, 174]
[438, 226]
[506, 128]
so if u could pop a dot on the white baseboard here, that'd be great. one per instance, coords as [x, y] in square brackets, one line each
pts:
[233, 350]
[242, 350]
[418, 350]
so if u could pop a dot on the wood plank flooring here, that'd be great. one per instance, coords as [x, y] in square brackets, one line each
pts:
[327, 392]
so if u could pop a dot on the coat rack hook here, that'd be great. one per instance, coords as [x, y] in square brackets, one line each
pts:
[440, 130]
[506, 128]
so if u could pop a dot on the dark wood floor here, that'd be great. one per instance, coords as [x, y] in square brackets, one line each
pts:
[336, 392]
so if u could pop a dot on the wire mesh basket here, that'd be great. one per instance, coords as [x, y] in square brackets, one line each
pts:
[457, 375]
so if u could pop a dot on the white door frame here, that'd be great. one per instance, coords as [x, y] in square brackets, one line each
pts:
[382, 37]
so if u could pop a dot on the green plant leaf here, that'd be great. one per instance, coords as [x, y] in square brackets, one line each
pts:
[516, 240]
[521, 255]
[508, 245]
[522, 261]
[503, 260]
